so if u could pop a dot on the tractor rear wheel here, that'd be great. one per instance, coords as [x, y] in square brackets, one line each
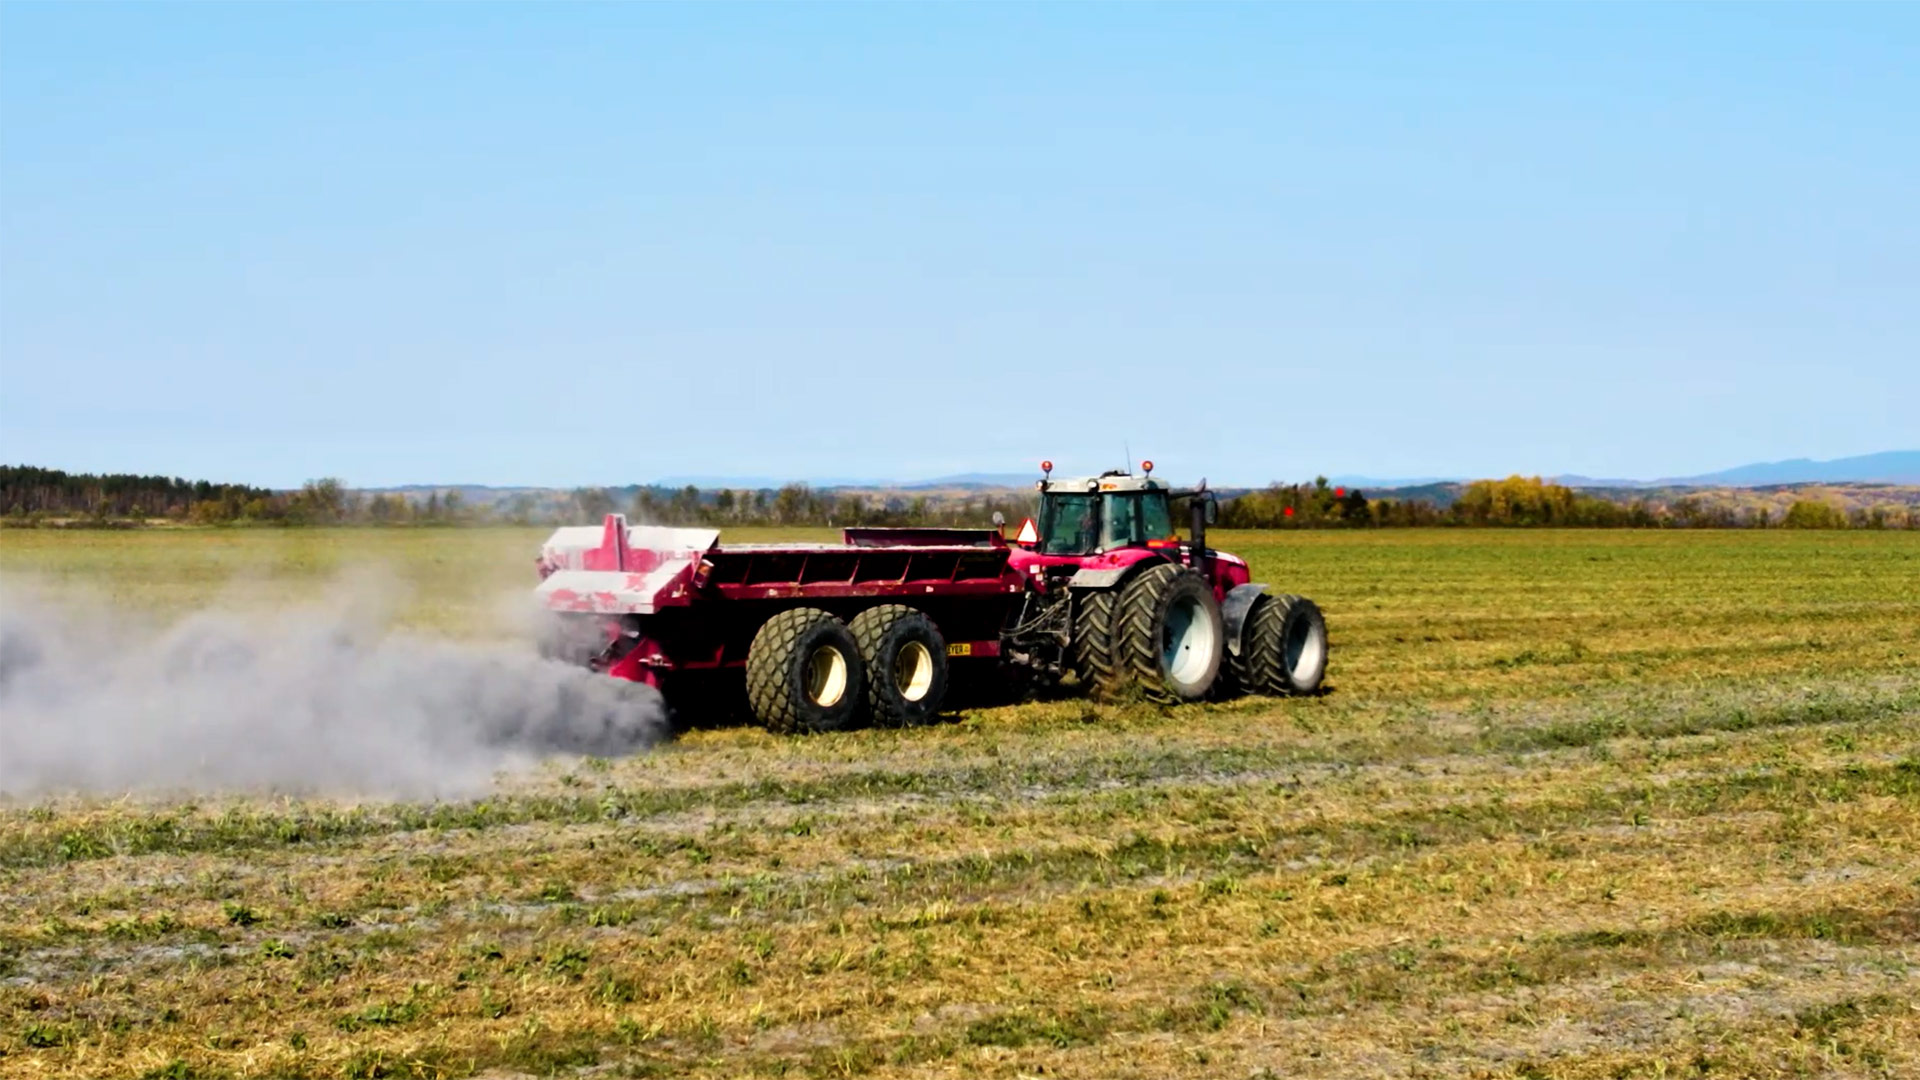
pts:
[1169, 634]
[906, 662]
[804, 673]
[1285, 647]
[1094, 658]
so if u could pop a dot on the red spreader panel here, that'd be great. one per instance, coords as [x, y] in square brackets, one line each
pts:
[770, 572]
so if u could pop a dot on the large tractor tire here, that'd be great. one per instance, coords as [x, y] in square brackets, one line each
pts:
[1094, 658]
[804, 673]
[1284, 648]
[1168, 633]
[906, 661]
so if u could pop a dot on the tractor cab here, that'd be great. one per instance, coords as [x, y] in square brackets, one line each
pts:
[1115, 510]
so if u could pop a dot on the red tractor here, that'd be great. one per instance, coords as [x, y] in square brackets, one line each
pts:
[874, 629]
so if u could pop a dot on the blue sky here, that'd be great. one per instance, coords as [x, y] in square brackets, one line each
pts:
[567, 244]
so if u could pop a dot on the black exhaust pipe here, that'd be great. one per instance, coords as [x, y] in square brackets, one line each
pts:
[1197, 555]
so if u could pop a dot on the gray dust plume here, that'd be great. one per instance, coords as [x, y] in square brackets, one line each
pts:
[318, 700]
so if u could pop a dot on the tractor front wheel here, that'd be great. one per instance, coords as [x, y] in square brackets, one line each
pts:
[1285, 647]
[804, 673]
[1169, 634]
[906, 662]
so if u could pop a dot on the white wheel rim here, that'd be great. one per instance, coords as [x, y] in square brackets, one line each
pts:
[1189, 643]
[913, 671]
[1306, 645]
[826, 676]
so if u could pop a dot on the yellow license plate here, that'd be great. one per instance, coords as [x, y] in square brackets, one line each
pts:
[960, 648]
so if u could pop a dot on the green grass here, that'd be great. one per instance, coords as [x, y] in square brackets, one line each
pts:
[1585, 804]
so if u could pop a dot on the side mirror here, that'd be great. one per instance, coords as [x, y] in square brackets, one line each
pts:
[999, 520]
[1213, 510]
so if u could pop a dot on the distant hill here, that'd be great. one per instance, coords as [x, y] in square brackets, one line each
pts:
[1371, 482]
[1575, 480]
[760, 483]
[32, 497]
[979, 481]
[1440, 493]
[1891, 467]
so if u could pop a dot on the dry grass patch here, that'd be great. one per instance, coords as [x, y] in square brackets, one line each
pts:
[1585, 805]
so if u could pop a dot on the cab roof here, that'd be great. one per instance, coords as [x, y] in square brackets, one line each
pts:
[1112, 481]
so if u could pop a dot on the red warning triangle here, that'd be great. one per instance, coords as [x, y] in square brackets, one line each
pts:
[1028, 534]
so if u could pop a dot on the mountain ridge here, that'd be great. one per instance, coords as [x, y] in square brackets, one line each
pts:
[1886, 467]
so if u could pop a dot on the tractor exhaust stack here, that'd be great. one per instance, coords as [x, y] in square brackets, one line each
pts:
[1198, 506]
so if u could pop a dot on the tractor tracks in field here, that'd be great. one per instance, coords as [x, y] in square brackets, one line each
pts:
[1621, 1018]
[1042, 773]
[1082, 798]
[1446, 787]
[974, 832]
[1621, 821]
[1559, 997]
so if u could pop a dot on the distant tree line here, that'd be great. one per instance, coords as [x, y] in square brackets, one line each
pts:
[800, 505]
[30, 496]
[1520, 501]
[26, 491]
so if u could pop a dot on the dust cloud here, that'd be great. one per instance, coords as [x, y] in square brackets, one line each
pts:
[325, 699]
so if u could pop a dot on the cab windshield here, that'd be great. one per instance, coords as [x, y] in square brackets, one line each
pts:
[1070, 524]
[1084, 524]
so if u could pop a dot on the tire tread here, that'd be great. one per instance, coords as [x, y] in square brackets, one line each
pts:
[768, 663]
[1136, 630]
[869, 628]
[1094, 656]
[1261, 667]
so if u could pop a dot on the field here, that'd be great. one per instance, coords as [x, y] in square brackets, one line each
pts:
[1577, 804]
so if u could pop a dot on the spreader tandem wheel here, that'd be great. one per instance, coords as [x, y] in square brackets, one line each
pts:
[906, 662]
[1169, 634]
[1284, 650]
[804, 673]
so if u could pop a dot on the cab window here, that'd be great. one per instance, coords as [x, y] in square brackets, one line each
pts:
[1135, 518]
[1156, 522]
[1070, 525]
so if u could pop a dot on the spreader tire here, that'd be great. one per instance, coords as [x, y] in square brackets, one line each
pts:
[1169, 633]
[1094, 660]
[804, 673]
[906, 661]
[1285, 647]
